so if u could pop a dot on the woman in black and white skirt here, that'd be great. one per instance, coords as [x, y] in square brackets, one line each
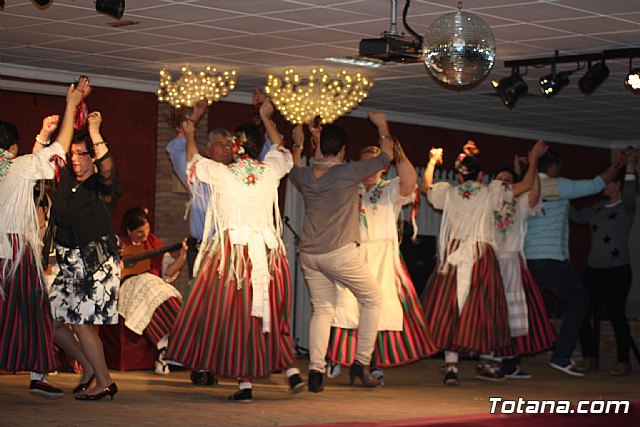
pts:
[85, 292]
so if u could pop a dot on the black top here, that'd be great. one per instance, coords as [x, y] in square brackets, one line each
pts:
[82, 211]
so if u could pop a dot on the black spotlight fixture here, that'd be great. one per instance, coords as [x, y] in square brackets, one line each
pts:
[593, 77]
[113, 8]
[551, 84]
[42, 3]
[632, 81]
[2, 4]
[511, 88]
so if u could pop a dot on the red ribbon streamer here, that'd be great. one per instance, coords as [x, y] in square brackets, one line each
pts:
[80, 118]
[58, 163]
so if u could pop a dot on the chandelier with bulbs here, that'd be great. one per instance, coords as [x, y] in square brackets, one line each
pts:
[193, 86]
[321, 94]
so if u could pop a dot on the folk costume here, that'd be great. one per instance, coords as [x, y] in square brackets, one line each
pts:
[234, 320]
[529, 324]
[26, 330]
[403, 336]
[148, 302]
[464, 301]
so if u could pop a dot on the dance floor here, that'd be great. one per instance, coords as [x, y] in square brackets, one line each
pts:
[413, 396]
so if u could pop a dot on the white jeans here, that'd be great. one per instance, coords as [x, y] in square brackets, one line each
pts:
[322, 271]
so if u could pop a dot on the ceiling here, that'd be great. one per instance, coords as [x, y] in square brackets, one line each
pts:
[258, 37]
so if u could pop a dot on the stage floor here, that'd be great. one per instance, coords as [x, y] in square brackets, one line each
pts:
[413, 395]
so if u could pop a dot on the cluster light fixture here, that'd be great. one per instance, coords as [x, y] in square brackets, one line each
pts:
[195, 85]
[329, 96]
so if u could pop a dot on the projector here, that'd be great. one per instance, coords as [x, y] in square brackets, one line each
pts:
[393, 48]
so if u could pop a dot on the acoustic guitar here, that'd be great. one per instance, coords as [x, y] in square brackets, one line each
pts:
[136, 260]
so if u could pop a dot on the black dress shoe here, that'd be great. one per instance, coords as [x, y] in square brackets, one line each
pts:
[109, 391]
[242, 396]
[315, 381]
[84, 386]
[358, 370]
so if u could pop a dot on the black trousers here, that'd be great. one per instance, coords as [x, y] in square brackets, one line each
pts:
[608, 289]
[192, 252]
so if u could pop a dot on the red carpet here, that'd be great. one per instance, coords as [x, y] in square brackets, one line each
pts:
[631, 419]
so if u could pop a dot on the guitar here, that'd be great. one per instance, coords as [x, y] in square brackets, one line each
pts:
[136, 260]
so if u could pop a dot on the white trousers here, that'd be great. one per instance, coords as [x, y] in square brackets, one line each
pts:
[322, 272]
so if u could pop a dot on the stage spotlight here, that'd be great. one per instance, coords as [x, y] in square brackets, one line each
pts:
[2, 4]
[510, 88]
[593, 78]
[114, 8]
[43, 3]
[632, 81]
[551, 84]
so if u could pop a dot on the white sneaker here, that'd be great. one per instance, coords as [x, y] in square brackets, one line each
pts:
[378, 374]
[333, 371]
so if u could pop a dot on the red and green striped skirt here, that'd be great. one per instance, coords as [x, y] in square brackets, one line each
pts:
[215, 330]
[162, 320]
[482, 325]
[392, 348]
[26, 328]
[541, 335]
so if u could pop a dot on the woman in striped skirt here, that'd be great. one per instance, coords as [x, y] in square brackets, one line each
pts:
[403, 336]
[464, 300]
[26, 327]
[147, 301]
[530, 328]
[234, 321]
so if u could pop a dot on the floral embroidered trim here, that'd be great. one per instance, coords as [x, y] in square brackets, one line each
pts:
[249, 171]
[468, 189]
[376, 193]
[6, 159]
[362, 215]
[504, 217]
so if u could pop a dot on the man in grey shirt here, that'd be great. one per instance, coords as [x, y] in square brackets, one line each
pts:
[329, 247]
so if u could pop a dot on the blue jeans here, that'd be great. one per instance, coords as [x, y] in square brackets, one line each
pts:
[560, 280]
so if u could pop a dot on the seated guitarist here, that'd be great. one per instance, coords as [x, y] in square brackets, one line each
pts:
[147, 300]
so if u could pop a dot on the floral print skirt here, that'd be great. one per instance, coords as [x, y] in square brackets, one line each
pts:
[78, 297]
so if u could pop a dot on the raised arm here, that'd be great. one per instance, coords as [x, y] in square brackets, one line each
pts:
[406, 172]
[629, 192]
[104, 161]
[298, 144]
[316, 132]
[435, 157]
[384, 137]
[74, 97]
[534, 194]
[610, 172]
[266, 114]
[190, 134]
[43, 138]
[537, 151]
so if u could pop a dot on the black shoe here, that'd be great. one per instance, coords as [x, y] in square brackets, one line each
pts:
[42, 388]
[242, 396]
[109, 391]
[315, 381]
[84, 386]
[451, 378]
[296, 384]
[358, 370]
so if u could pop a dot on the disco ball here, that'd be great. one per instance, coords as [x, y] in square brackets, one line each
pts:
[459, 49]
